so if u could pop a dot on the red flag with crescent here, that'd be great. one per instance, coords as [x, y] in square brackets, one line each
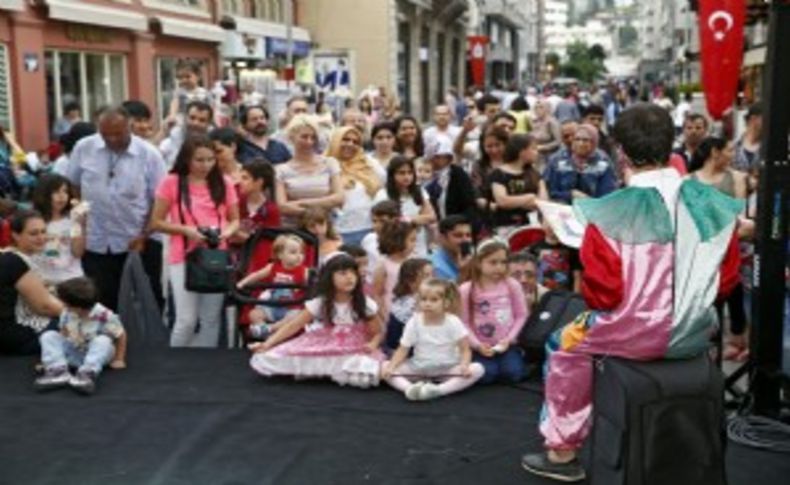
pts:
[477, 58]
[721, 38]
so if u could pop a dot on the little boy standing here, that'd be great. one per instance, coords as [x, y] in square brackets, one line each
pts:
[89, 336]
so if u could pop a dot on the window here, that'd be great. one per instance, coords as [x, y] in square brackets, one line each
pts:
[272, 10]
[6, 114]
[91, 80]
[260, 9]
[233, 7]
[165, 83]
[277, 10]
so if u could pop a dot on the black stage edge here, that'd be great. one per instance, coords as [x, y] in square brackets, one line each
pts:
[203, 417]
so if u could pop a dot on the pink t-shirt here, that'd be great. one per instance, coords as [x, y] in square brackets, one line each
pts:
[499, 312]
[201, 207]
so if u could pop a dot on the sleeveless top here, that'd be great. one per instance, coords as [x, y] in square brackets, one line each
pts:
[726, 185]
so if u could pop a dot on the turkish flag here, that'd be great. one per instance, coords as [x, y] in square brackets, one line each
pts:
[477, 58]
[721, 39]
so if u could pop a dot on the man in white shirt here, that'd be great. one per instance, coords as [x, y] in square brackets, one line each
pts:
[117, 174]
[442, 127]
[198, 121]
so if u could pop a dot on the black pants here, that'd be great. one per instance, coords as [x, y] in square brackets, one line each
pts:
[737, 310]
[106, 271]
[18, 340]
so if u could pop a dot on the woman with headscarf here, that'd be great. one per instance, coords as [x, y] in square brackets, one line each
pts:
[360, 179]
[586, 172]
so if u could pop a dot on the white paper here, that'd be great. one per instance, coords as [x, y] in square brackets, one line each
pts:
[563, 221]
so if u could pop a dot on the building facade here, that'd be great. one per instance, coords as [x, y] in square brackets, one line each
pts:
[503, 22]
[414, 48]
[93, 53]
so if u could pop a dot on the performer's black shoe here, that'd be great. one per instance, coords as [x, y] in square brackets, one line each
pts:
[539, 464]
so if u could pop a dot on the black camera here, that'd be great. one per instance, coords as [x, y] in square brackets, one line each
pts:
[212, 236]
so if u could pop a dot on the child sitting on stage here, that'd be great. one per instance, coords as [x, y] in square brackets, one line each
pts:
[345, 348]
[288, 268]
[89, 336]
[441, 348]
[494, 310]
[405, 294]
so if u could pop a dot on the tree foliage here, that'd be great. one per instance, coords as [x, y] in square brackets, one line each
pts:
[584, 62]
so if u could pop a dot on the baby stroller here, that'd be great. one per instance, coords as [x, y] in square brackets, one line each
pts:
[256, 254]
[524, 237]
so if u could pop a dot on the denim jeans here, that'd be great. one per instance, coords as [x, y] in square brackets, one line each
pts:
[57, 351]
[508, 367]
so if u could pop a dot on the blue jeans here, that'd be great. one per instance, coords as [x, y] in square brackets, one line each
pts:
[57, 352]
[508, 367]
[354, 238]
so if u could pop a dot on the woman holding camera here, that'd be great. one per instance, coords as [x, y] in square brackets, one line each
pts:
[197, 206]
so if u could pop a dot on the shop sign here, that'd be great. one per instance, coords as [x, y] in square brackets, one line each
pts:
[87, 34]
[278, 46]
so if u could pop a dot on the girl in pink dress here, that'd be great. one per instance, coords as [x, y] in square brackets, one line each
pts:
[345, 348]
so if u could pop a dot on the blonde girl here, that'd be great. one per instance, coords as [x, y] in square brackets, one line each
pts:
[442, 360]
[494, 311]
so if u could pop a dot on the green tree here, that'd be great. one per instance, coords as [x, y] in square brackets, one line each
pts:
[553, 60]
[583, 62]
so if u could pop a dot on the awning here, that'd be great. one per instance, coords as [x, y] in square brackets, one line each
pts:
[754, 57]
[190, 29]
[85, 13]
[246, 25]
[18, 5]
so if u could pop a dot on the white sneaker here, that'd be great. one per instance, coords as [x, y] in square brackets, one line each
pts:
[429, 391]
[414, 391]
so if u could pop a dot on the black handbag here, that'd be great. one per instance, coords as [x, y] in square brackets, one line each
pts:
[207, 269]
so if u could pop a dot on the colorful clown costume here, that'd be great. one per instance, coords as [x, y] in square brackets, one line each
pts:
[656, 256]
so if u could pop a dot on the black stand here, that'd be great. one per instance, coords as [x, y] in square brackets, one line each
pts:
[772, 223]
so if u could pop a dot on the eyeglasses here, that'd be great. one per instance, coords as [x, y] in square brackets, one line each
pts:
[588, 140]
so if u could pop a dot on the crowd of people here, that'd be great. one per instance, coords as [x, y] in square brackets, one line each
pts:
[416, 282]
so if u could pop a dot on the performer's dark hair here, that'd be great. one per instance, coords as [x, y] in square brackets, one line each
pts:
[646, 133]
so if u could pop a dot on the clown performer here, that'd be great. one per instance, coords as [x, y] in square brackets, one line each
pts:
[656, 256]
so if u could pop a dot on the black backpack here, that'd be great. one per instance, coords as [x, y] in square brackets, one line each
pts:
[555, 309]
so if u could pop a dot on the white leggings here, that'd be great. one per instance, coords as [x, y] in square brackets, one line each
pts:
[406, 374]
[191, 307]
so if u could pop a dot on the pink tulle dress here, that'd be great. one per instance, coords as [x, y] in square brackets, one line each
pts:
[336, 350]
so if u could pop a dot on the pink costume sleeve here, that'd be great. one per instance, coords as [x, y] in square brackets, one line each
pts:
[465, 316]
[602, 278]
[519, 309]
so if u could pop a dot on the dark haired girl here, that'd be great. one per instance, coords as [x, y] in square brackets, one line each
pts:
[60, 259]
[345, 348]
[408, 136]
[516, 186]
[194, 195]
[402, 187]
[383, 137]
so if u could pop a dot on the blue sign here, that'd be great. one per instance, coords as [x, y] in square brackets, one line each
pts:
[276, 45]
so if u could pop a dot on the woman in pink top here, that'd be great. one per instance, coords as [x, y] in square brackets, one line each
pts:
[493, 309]
[192, 198]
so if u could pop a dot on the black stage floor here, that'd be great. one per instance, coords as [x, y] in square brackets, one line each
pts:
[203, 417]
